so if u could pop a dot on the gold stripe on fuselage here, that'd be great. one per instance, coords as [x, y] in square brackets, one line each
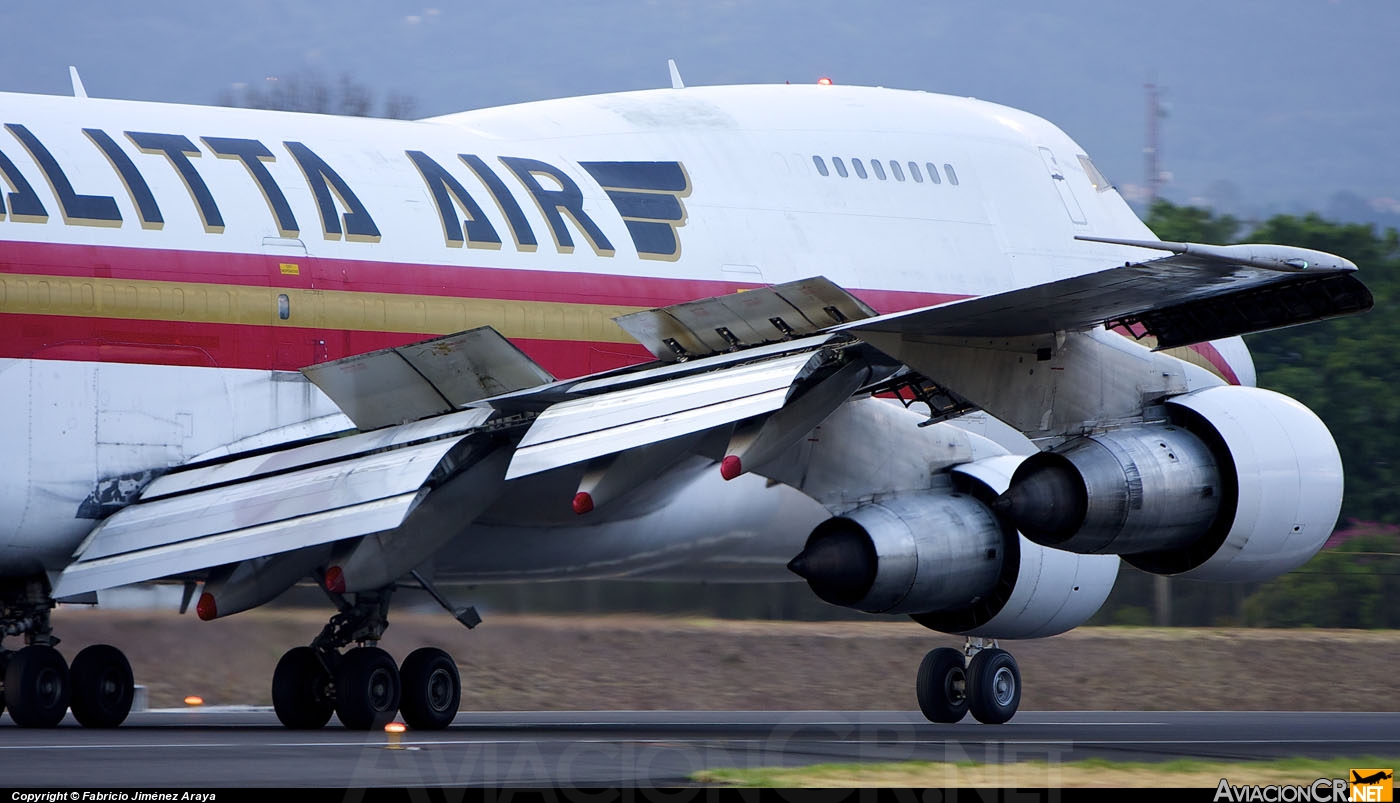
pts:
[339, 310]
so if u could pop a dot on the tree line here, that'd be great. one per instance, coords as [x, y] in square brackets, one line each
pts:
[310, 91]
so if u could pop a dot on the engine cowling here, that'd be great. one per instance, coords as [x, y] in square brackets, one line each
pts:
[944, 557]
[905, 553]
[1040, 591]
[1128, 490]
[1241, 484]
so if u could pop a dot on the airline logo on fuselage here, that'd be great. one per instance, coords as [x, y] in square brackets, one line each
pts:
[647, 196]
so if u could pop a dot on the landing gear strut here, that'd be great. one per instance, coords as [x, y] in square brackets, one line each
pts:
[39, 685]
[988, 685]
[362, 685]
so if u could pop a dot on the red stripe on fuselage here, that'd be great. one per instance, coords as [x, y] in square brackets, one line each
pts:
[287, 348]
[1215, 358]
[38, 336]
[460, 281]
[57, 337]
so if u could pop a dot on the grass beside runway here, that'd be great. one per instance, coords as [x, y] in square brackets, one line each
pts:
[1179, 774]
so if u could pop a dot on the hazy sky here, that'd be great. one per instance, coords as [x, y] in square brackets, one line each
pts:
[1274, 105]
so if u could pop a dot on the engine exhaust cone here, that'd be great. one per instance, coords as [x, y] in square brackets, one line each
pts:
[1047, 503]
[839, 566]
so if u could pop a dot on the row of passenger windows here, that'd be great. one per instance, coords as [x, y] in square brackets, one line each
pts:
[878, 168]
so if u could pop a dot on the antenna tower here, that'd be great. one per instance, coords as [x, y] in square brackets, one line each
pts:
[1152, 152]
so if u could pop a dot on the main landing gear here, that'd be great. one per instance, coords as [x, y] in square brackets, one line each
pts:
[988, 685]
[362, 685]
[39, 686]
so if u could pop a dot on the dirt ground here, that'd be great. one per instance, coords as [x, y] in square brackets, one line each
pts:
[638, 662]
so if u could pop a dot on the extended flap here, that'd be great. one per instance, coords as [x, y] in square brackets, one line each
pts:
[743, 320]
[264, 504]
[407, 383]
[593, 426]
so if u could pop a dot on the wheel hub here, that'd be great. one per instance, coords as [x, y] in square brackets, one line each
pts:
[1003, 686]
[380, 690]
[955, 687]
[48, 688]
[109, 686]
[440, 690]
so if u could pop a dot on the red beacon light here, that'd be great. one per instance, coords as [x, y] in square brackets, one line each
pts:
[823, 81]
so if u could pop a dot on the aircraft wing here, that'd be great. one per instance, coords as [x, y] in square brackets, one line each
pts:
[764, 366]
[272, 501]
[248, 506]
[1199, 293]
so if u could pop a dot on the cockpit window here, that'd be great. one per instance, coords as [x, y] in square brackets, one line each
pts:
[1095, 177]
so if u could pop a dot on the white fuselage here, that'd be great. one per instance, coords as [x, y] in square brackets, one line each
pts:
[165, 269]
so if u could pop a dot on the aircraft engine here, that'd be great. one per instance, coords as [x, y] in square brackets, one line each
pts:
[904, 553]
[944, 557]
[1040, 591]
[1241, 484]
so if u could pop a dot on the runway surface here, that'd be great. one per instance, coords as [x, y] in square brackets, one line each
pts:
[247, 747]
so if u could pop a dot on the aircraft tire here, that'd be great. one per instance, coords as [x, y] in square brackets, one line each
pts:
[367, 689]
[36, 687]
[299, 693]
[4, 662]
[102, 687]
[993, 686]
[942, 685]
[432, 689]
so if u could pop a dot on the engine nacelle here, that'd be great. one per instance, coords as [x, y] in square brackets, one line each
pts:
[905, 553]
[1128, 490]
[1242, 484]
[1040, 591]
[1283, 483]
[942, 556]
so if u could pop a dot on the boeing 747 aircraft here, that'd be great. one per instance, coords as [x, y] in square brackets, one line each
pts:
[746, 333]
